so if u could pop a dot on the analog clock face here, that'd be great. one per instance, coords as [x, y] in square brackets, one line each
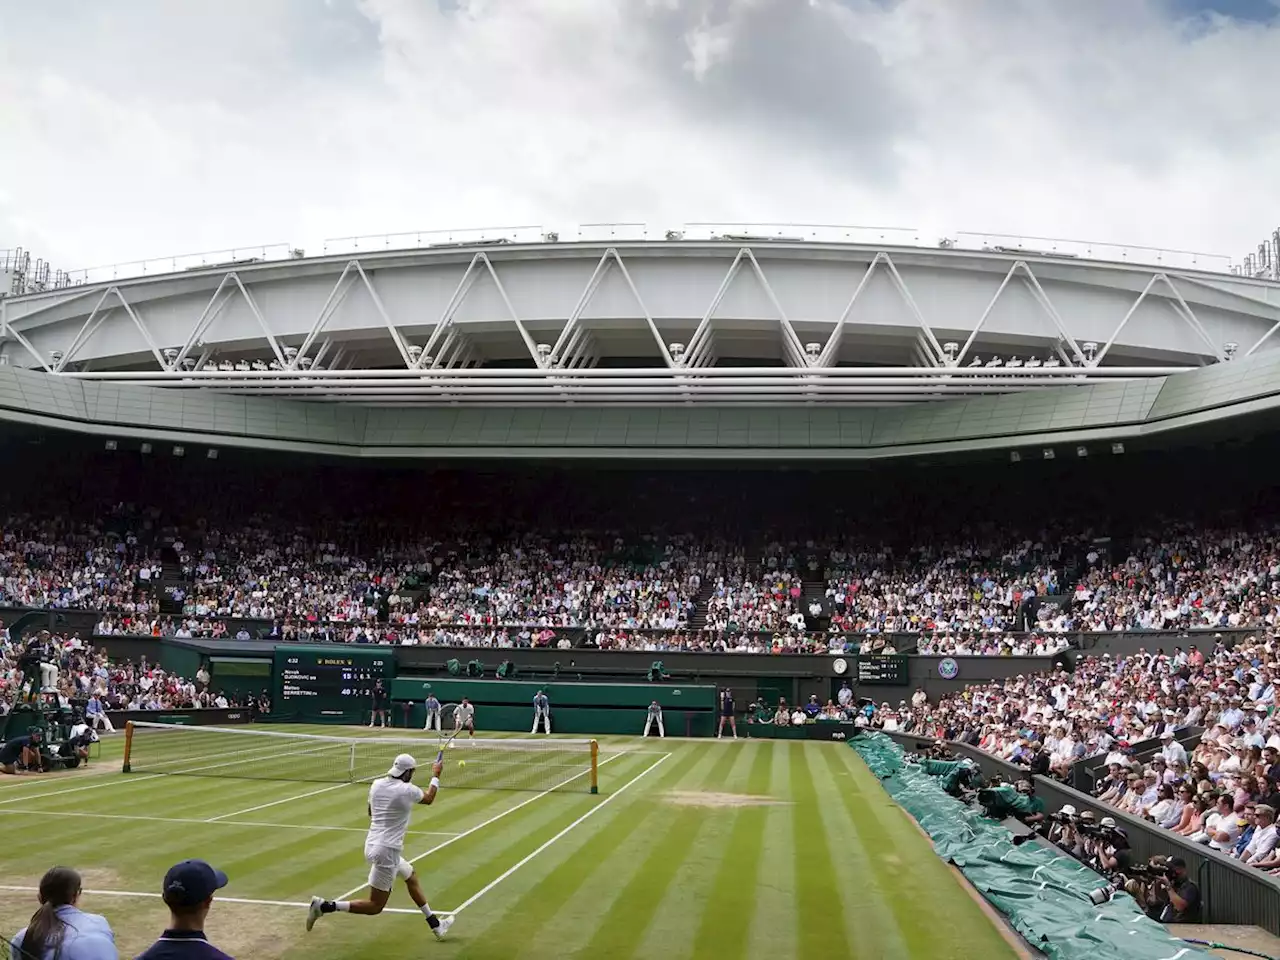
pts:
[840, 665]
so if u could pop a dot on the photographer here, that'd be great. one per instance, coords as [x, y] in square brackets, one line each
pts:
[1110, 849]
[1064, 829]
[1019, 801]
[1171, 897]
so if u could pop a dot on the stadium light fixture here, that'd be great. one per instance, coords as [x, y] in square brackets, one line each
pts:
[145, 448]
[952, 350]
[179, 451]
[677, 352]
[1048, 453]
[1229, 349]
[1082, 452]
[1090, 351]
[113, 445]
[1015, 456]
[212, 454]
[1117, 447]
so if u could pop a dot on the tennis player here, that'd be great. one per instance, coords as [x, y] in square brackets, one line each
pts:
[654, 716]
[465, 717]
[726, 713]
[391, 802]
[433, 713]
[541, 711]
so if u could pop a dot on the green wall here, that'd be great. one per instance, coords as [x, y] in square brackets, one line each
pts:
[562, 694]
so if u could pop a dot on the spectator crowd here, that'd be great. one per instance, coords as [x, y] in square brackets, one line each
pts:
[73, 672]
[1223, 792]
[963, 596]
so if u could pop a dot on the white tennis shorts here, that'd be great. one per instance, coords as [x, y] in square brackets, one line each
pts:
[385, 864]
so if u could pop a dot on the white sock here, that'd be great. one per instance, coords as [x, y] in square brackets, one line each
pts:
[426, 910]
[344, 906]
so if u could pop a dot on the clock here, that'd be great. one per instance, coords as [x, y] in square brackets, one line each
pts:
[840, 666]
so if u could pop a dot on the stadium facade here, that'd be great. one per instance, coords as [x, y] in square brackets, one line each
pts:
[818, 345]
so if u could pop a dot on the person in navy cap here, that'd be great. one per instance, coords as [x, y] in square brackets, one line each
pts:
[188, 892]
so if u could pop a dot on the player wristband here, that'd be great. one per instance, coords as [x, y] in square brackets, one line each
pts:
[435, 782]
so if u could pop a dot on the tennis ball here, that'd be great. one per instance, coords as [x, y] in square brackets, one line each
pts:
[462, 763]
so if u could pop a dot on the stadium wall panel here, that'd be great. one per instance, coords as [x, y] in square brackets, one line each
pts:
[626, 721]
[189, 718]
[561, 694]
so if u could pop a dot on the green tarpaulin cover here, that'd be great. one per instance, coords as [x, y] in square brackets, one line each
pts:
[1043, 893]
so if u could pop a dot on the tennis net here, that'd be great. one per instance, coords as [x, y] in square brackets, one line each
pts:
[245, 753]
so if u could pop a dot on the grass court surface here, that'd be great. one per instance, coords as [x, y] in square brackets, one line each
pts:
[692, 849]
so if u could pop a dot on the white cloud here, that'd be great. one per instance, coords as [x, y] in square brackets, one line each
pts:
[161, 128]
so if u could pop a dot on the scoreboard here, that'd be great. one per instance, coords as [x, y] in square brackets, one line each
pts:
[332, 683]
[889, 669]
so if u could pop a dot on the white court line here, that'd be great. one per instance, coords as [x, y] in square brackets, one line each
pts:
[96, 786]
[590, 813]
[221, 823]
[219, 899]
[467, 833]
[276, 803]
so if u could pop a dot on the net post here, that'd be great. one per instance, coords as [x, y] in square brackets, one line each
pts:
[595, 767]
[128, 745]
[351, 763]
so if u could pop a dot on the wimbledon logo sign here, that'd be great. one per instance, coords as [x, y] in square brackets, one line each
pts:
[948, 669]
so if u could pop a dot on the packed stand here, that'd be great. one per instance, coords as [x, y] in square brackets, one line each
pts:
[71, 670]
[1224, 792]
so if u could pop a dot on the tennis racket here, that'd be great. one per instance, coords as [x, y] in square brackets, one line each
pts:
[448, 724]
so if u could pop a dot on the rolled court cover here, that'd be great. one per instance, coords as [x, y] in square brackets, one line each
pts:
[538, 765]
[1043, 894]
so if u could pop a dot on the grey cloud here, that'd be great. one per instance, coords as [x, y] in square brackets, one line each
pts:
[790, 72]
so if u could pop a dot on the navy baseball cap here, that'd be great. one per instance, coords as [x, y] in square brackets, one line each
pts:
[192, 882]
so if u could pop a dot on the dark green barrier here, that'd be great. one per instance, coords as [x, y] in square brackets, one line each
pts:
[561, 694]
[1043, 893]
[627, 721]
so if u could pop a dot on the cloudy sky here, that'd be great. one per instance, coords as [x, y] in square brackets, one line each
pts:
[137, 128]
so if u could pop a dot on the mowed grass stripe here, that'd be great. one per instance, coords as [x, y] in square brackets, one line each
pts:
[726, 917]
[773, 924]
[679, 914]
[457, 811]
[549, 884]
[452, 874]
[494, 849]
[913, 874]
[866, 885]
[818, 932]
[622, 927]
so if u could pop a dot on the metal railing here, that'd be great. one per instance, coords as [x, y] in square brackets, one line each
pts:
[1261, 266]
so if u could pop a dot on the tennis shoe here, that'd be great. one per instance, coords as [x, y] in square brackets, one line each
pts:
[443, 928]
[314, 914]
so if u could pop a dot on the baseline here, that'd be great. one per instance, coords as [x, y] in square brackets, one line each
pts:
[59, 814]
[220, 899]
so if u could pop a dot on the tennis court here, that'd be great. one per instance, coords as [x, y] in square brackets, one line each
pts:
[691, 849]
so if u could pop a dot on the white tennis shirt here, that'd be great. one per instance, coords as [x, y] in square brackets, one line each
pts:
[391, 804]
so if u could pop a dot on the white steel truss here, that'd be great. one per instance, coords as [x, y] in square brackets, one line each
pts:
[315, 359]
